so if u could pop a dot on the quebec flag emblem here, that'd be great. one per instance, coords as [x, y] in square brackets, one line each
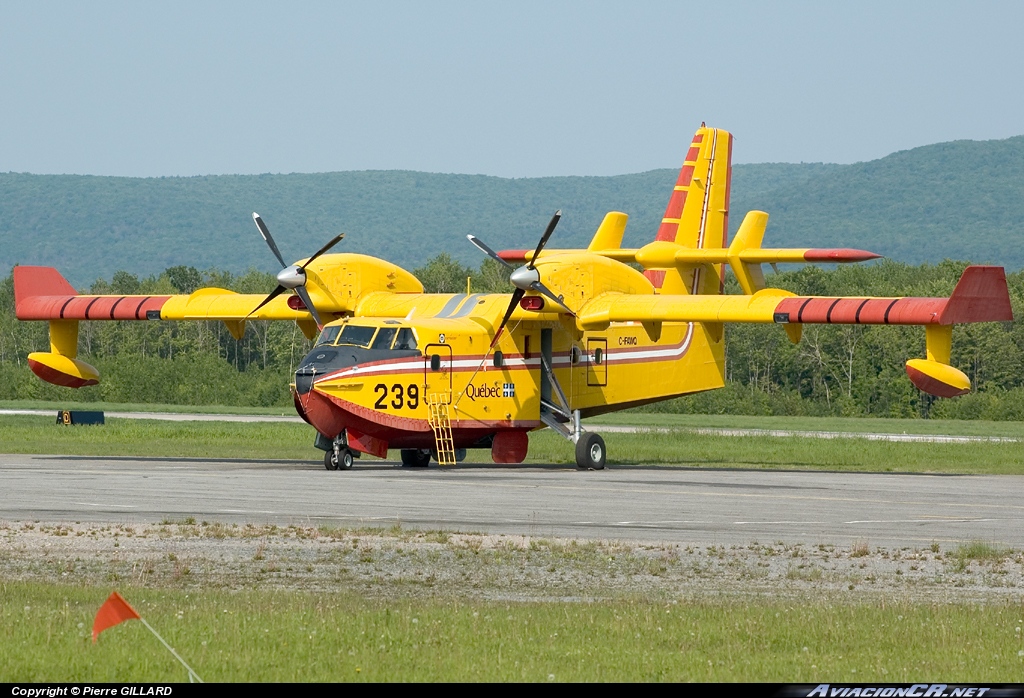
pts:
[508, 390]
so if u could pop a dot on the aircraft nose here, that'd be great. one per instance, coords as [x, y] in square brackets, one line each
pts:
[317, 363]
[324, 360]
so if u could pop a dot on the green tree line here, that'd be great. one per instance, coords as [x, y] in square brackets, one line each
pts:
[834, 370]
[958, 200]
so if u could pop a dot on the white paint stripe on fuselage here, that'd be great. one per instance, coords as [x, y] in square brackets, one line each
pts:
[617, 355]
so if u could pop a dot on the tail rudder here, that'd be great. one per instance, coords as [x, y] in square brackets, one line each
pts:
[697, 215]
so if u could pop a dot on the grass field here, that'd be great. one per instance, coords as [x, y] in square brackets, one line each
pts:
[281, 636]
[443, 633]
[287, 410]
[130, 437]
[655, 419]
[840, 424]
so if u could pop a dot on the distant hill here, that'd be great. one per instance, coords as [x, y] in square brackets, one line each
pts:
[960, 200]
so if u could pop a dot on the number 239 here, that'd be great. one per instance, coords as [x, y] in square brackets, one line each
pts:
[401, 396]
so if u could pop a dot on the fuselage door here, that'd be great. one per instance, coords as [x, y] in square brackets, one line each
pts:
[437, 371]
[597, 362]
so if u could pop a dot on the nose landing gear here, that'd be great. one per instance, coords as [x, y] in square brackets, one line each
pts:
[337, 454]
[340, 459]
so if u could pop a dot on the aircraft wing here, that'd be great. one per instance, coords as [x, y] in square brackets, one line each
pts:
[980, 295]
[41, 293]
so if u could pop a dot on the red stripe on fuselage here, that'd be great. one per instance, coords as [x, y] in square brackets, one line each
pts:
[330, 415]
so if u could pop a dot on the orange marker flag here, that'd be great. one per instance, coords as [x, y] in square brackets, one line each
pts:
[113, 611]
[116, 610]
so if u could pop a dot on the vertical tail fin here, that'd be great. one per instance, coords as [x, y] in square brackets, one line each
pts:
[697, 214]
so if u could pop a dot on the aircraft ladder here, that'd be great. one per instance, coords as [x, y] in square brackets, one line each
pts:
[442, 427]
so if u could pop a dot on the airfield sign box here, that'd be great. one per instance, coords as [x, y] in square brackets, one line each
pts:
[69, 417]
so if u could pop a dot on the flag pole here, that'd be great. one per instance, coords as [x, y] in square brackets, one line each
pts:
[170, 649]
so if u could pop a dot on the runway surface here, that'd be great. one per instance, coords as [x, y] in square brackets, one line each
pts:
[655, 503]
[604, 428]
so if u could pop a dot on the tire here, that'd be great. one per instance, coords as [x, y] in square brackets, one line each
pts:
[344, 461]
[590, 452]
[330, 462]
[415, 458]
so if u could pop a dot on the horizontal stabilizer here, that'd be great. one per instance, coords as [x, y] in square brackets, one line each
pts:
[744, 256]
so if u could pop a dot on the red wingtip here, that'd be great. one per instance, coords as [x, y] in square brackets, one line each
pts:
[39, 281]
[844, 254]
[980, 295]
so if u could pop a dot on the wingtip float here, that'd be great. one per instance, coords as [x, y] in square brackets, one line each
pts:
[583, 333]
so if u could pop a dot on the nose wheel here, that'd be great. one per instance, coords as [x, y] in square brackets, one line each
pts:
[341, 459]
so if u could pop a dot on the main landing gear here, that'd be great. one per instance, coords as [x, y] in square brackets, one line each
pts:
[415, 457]
[590, 449]
[421, 457]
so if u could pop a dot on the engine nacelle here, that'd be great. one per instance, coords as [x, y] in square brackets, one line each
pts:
[62, 370]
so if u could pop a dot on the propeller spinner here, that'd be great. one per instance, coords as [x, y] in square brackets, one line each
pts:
[293, 276]
[525, 278]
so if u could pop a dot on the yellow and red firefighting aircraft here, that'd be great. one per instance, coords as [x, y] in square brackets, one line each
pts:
[584, 332]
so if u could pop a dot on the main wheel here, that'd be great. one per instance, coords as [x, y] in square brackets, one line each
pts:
[460, 455]
[590, 452]
[415, 458]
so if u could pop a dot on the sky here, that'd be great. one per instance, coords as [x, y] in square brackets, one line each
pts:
[511, 89]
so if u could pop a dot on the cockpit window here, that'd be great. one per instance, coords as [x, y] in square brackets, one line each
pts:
[356, 336]
[328, 335]
[406, 339]
[384, 337]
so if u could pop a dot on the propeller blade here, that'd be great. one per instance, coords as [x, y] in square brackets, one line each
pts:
[323, 249]
[304, 295]
[548, 293]
[517, 296]
[273, 294]
[266, 236]
[544, 238]
[487, 250]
